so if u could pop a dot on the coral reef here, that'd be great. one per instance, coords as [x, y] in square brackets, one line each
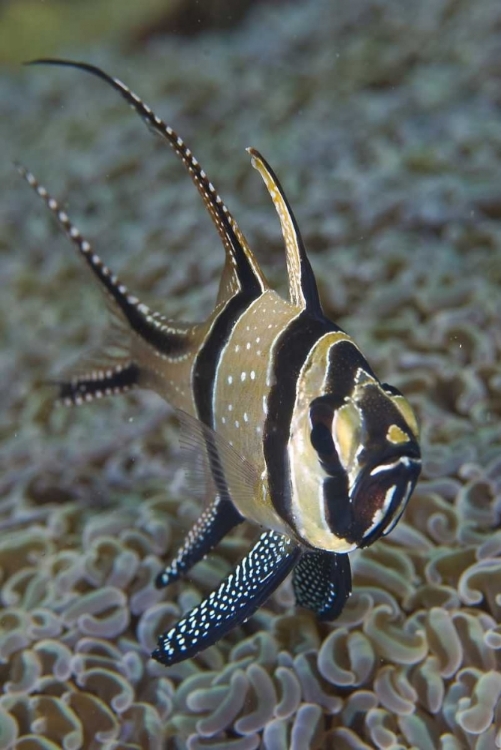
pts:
[382, 121]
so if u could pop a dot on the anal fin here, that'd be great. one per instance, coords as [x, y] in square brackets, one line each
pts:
[213, 524]
[322, 582]
[236, 599]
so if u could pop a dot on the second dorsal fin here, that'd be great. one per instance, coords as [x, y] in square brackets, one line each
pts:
[242, 272]
[302, 285]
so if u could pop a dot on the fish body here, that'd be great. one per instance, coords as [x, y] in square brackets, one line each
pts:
[294, 431]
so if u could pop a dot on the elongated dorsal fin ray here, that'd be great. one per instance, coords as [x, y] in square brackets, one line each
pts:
[241, 266]
[302, 285]
[168, 339]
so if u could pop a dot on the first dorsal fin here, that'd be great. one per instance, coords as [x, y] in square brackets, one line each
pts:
[302, 285]
[242, 272]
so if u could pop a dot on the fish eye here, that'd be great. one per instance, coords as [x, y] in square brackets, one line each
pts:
[321, 439]
[390, 389]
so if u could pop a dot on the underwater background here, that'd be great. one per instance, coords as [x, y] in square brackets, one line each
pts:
[383, 121]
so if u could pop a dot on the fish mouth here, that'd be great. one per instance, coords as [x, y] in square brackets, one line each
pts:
[380, 496]
[374, 504]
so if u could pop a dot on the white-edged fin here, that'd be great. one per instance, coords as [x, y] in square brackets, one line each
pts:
[302, 285]
[242, 272]
[213, 464]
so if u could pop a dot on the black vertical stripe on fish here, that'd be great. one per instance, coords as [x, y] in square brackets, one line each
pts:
[335, 486]
[207, 360]
[292, 348]
[204, 377]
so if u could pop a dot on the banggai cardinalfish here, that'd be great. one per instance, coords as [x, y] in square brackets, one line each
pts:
[294, 430]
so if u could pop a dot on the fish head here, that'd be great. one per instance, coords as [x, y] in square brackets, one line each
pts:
[353, 450]
[368, 456]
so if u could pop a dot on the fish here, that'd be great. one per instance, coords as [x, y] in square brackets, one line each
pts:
[291, 428]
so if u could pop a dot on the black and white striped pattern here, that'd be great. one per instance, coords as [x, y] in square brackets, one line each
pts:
[292, 348]
[295, 431]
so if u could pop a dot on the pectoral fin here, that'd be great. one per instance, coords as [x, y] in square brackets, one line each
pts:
[322, 582]
[212, 463]
[236, 599]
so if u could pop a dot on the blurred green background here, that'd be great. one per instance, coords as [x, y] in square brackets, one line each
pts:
[31, 28]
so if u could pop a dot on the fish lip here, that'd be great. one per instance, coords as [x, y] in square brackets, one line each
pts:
[393, 462]
[403, 474]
